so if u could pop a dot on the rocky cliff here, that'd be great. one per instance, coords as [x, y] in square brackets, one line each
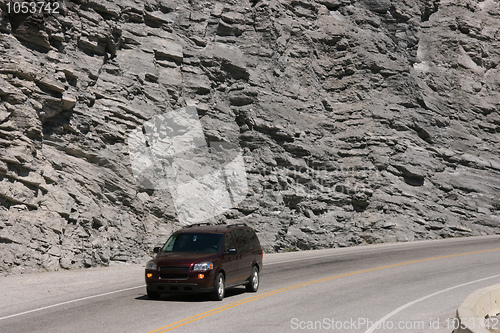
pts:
[360, 121]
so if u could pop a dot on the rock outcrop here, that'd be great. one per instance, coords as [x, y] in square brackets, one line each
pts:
[360, 121]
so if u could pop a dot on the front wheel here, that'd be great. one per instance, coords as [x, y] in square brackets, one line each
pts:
[253, 283]
[218, 292]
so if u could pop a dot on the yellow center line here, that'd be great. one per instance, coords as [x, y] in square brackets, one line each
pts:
[202, 315]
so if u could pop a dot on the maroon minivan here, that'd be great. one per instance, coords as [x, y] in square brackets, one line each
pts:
[206, 259]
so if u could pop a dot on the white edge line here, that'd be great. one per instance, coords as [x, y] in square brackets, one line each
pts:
[380, 247]
[336, 254]
[321, 256]
[401, 308]
[69, 302]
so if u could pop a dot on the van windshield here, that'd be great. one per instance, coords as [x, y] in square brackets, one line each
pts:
[194, 242]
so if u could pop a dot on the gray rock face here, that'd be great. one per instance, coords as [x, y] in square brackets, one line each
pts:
[360, 121]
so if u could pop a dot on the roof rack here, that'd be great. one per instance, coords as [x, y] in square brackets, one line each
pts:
[198, 224]
[236, 224]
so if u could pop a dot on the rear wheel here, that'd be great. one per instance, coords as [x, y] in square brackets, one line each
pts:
[153, 294]
[218, 292]
[253, 283]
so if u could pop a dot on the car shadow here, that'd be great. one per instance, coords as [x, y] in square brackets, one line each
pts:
[191, 297]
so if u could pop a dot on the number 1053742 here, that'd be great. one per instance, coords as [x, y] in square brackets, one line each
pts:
[32, 7]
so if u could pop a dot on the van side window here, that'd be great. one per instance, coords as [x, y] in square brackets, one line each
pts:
[229, 241]
[241, 240]
[254, 241]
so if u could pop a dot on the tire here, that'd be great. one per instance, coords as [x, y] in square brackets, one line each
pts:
[219, 288]
[253, 283]
[153, 294]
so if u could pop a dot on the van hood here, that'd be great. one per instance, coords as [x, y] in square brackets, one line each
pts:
[183, 258]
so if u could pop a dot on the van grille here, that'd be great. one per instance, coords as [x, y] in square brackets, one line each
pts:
[174, 272]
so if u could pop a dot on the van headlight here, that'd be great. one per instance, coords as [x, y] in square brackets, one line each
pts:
[203, 266]
[151, 265]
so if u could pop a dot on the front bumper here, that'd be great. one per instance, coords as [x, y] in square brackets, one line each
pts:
[181, 288]
[193, 284]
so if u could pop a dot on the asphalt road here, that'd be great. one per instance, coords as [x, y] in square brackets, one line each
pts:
[404, 287]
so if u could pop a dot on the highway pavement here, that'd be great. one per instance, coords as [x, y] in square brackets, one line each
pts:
[402, 287]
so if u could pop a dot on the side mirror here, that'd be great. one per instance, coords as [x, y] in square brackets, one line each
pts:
[231, 251]
[157, 249]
